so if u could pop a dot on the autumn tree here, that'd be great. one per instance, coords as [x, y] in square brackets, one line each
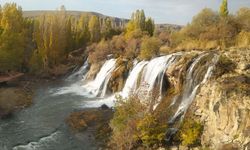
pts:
[95, 29]
[243, 17]
[139, 24]
[52, 35]
[107, 28]
[12, 38]
[224, 9]
[149, 47]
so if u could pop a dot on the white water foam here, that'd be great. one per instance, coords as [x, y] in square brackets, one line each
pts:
[41, 144]
[98, 87]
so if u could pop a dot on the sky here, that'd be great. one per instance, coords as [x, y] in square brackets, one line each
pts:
[162, 11]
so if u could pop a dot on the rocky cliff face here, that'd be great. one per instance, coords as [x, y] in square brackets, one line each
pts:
[223, 104]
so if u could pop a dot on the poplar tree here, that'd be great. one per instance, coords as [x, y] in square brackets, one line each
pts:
[12, 38]
[107, 28]
[82, 33]
[224, 9]
[150, 26]
[138, 23]
[95, 29]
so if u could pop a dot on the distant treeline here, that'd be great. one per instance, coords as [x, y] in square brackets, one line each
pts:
[40, 43]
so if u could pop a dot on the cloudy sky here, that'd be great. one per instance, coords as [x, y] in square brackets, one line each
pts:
[163, 11]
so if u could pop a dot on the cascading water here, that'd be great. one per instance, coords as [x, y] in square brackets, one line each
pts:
[98, 87]
[153, 78]
[154, 72]
[80, 74]
[197, 74]
[132, 81]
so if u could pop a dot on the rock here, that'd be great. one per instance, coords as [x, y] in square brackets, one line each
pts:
[94, 69]
[176, 72]
[173, 148]
[13, 99]
[223, 106]
[93, 122]
[104, 107]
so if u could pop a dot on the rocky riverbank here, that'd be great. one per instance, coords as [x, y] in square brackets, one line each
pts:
[14, 98]
[93, 122]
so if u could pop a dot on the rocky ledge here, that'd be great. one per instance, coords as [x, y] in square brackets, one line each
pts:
[223, 104]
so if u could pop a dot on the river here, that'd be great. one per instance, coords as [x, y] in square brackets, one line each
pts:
[42, 126]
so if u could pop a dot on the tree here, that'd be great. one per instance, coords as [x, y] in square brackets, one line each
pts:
[82, 32]
[243, 17]
[139, 24]
[95, 29]
[149, 48]
[150, 26]
[12, 38]
[224, 9]
[107, 28]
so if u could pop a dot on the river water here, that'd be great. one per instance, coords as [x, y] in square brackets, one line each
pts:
[42, 126]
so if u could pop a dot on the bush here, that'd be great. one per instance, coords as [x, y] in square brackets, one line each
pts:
[149, 48]
[118, 45]
[134, 124]
[190, 132]
[132, 48]
[243, 39]
[99, 52]
[151, 132]
[243, 17]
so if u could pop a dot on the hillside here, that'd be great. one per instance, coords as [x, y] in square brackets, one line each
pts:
[77, 14]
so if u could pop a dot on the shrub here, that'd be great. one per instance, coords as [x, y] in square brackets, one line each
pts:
[124, 123]
[134, 124]
[190, 132]
[243, 17]
[149, 48]
[118, 44]
[243, 39]
[99, 52]
[151, 132]
[131, 50]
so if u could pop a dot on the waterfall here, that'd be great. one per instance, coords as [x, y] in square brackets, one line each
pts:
[132, 81]
[98, 87]
[197, 74]
[154, 72]
[80, 73]
[153, 78]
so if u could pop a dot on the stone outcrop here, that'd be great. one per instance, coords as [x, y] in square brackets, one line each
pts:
[94, 69]
[223, 105]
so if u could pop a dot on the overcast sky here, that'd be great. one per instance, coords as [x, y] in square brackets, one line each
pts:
[163, 11]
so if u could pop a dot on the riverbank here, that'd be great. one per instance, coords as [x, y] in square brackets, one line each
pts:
[92, 122]
[18, 94]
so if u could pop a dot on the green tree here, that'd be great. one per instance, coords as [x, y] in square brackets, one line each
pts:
[224, 9]
[150, 26]
[95, 29]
